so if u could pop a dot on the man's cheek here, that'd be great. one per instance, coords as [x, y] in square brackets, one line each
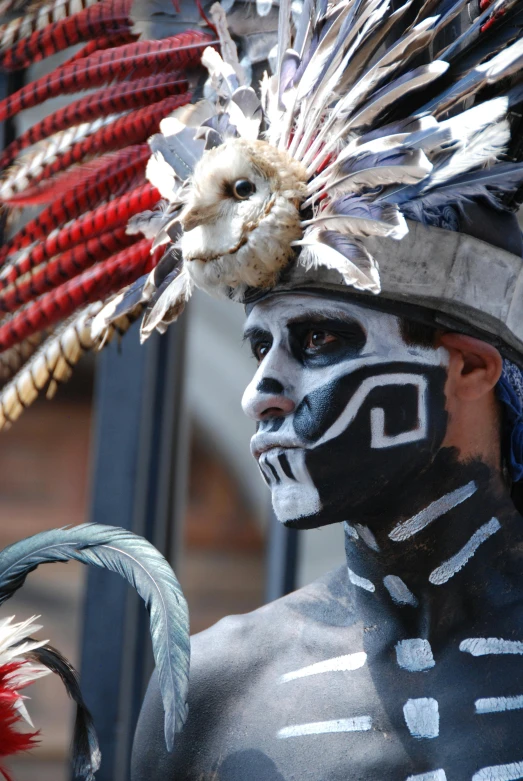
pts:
[392, 437]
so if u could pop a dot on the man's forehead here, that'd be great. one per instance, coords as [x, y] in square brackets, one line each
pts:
[280, 309]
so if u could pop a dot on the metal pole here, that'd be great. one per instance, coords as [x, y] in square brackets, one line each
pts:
[140, 450]
[282, 560]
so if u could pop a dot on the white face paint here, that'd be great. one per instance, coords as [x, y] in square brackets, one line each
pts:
[338, 396]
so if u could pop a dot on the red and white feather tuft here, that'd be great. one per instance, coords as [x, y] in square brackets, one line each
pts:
[17, 671]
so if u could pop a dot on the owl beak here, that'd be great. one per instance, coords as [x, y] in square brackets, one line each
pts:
[197, 215]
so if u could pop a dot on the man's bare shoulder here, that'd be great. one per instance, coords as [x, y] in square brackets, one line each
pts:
[248, 640]
[228, 661]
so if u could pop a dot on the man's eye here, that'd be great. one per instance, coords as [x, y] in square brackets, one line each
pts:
[260, 350]
[316, 339]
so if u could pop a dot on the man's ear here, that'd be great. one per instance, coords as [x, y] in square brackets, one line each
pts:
[474, 366]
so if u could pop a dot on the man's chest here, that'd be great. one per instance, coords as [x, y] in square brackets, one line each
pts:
[373, 710]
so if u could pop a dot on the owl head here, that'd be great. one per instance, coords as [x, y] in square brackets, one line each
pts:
[241, 214]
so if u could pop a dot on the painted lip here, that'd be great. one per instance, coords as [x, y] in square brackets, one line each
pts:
[262, 443]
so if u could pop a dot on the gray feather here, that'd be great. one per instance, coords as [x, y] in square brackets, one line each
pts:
[471, 32]
[490, 185]
[344, 254]
[403, 166]
[167, 303]
[386, 97]
[118, 550]
[180, 151]
[500, 66]
[351, 214]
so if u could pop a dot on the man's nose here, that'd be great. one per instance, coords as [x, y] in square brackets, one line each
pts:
[265, 398]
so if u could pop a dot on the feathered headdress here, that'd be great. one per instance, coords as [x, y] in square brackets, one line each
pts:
[358, 162]
[23, 659]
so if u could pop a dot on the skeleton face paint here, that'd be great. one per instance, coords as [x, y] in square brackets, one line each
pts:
[348, 414]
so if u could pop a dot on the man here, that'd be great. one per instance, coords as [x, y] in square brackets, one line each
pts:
[404, 664]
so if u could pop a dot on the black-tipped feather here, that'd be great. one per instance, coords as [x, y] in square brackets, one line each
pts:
[86, 751]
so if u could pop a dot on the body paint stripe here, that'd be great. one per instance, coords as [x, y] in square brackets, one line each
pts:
[356, 724]
[357, 400]
[336, 664]
[350, 530]
[367, 536]
[422, 717]
[363, 583]
[399, 592]
[414, 655]
[432, 775]
[499, 704]
[510, 772]
[435, 510]
[453, 565]
[483, 646]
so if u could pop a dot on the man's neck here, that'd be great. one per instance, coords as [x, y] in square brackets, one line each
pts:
[438, 554]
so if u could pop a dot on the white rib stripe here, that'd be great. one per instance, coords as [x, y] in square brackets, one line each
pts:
[499, 704]
[414, 655]
[510, 772]
[363, 583]
[435, 510]
[449, 568]
[356, 724]
[484, 646]
[399, 591]
[336, 664]
[433, 775]
[422, 717]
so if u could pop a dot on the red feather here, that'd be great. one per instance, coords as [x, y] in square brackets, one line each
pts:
[93, 223]
[79, 175]
[143, 58]
[111, 100]
[109, 16]
[94, 284]
[63, 267]
[111, 181]
[11, 740]
[103, 42]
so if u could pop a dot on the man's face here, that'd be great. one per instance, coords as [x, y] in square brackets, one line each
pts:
[347, 413]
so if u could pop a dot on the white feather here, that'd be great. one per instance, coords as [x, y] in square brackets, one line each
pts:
[169, 305]
[356, 266]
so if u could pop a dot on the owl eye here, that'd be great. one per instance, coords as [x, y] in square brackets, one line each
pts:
[243, 189]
